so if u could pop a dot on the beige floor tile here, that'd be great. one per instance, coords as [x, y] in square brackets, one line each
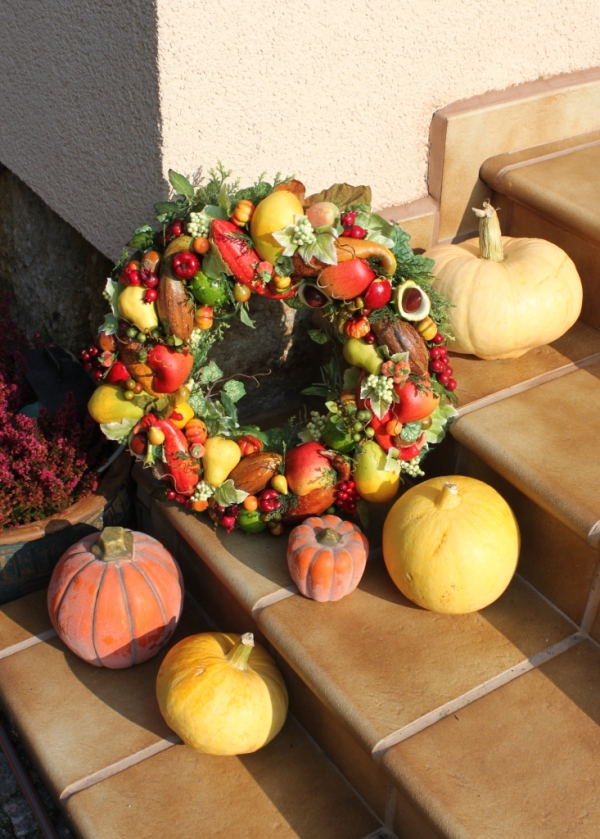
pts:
[482, 382]
[555, 560]
[287, 790]
[544, 441]
[379, 662]
[77, 719]
[23, 619]
[520, 762]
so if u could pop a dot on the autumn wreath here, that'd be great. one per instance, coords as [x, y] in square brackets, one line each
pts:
[386, 389]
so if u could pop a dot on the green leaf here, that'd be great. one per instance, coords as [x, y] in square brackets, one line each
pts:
[294, 303]
[411, 432]
[285, 238]
[229, 406]
[284, 266]
[317, 336]
[214, 211]
[234, 389]
[245, 317]
[111, 293]
[118, 431]
[181, 185]
[197, 403]
[166, 208]
[332, 407]
[343, 196]
[392, 463]
[322, 248]
[110, 324]
[142, 240]
[224, 199]
[213, 263]
[210, 373]
[316, 390]
[227, 494]
[351, 375]
[443, 414]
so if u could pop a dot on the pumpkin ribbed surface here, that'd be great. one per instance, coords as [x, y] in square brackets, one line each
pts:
[451, 544]
[119, 611]
[222, 694]
[326, 557]
[503, 309]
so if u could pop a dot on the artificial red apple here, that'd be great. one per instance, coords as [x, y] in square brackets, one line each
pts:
[415, 403]
[346, 280]
[307, 469]
[171, 369]
[378, 294]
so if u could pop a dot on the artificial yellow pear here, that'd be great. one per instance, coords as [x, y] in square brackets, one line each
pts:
[132, 307]
[451, 544]
[107, 404]
[221, 456]
[273, 213]
[372, 481]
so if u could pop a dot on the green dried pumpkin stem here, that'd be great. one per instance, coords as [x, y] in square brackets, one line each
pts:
[328, 536]
[240, 654]
[490, 235]
[448, 497]
[114, 543]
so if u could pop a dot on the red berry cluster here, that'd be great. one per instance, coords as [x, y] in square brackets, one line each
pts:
[94, 359]
[180, 499]
[347, 497]
[174, 230]
[439, 363]
[354, 231]
[150, 281]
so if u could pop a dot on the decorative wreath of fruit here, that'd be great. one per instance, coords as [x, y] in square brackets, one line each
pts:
[387, 387]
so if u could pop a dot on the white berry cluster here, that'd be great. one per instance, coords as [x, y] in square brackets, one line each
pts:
[382, 386]
[411, 467]
[198, 225]
[303, 232]
[203, 491]
[316, 425]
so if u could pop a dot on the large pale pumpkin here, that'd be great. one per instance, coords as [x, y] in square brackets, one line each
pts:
[115, 598]
[508, 295]
[326, 557]
[451, 544]
[222, 694]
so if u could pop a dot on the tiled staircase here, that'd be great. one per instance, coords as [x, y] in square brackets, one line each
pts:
[403, 722]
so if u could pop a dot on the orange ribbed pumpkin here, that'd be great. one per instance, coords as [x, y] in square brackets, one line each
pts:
[326, 557]
[115, 598]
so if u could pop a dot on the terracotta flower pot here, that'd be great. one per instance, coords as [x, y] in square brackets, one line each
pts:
[29, 553]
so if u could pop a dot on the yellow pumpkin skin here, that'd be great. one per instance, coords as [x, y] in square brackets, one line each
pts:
[503, 309]
[215, 705]
[452, 552]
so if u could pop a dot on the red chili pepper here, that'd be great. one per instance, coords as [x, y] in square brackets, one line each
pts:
[185, 264]
[180, 466]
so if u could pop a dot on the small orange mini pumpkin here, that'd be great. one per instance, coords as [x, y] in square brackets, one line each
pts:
[115, 598]
[326, 557]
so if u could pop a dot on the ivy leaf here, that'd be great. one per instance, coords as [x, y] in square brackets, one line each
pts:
[392, 463]
[411, 432]
[210, 373]
[284, 266]
[118, 431]
[380, 405]
[322, 248]
[317, 336]
[245, 317]
[441, 417]
[111, 293]
[227, 494]
[285, 238]
[378, 229]
[198, 403]
[234, 389]
[181, 185]
[229, 406]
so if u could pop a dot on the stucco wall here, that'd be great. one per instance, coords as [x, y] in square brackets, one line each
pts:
[100, 99]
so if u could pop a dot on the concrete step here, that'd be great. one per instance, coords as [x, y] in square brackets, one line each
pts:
[99, 742]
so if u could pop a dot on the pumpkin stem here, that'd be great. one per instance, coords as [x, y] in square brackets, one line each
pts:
[328, 536]
[448, 497]
[114, 543]
[490, 235]
[240, 654]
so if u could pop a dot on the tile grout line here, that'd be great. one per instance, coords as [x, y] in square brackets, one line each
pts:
[119, 766]
[29, 642]
[421, 723]
[528, 384]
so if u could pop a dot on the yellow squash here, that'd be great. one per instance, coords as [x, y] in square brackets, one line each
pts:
[222, 694]
[451, 544]
[508, 295]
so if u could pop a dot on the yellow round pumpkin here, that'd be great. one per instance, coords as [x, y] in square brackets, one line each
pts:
[508, 295]
[451, 544]
[222, 694]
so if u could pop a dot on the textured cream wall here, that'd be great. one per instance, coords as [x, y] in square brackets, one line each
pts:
[101, 99]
